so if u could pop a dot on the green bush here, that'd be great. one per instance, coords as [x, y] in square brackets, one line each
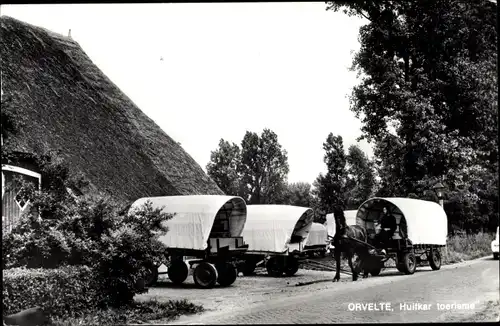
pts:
[91, 232]
[67, 291]
[71, 296]
[136, 313]
[60, 229]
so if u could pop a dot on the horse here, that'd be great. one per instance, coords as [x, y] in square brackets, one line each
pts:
[348, 247]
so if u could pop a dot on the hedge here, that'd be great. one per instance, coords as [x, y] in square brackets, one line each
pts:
[66, 291]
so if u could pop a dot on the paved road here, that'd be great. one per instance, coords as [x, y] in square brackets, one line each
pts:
[469, 283]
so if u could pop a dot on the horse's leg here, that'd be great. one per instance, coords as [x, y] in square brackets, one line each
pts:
[364, 264]
[354, 273]
[337, 260]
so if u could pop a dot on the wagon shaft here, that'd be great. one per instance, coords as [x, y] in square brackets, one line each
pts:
[359, 242]
[329, 268]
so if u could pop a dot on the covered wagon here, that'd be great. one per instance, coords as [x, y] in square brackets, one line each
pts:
[422, 228]
[208, 227]
[276, 235]
[317, 241]
[350, 218]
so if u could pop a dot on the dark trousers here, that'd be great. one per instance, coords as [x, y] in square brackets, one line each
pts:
[382, 239]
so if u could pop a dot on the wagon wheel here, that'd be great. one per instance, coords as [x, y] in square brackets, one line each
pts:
[291, 266]
[274, 267]
[227, 273]
[248, 267]
[205, 275]
[435, 259]
[178, 271]
[409, 264]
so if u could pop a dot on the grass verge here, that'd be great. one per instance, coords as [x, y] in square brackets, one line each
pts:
[466, 247]
[138, 312]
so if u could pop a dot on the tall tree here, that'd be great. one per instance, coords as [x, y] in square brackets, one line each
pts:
[319, 212]
[257, 172]
[329, 188]
[299, 194]
[263, 169]
[360, 177]
[223, 167]
[388, 162]
[429, 88]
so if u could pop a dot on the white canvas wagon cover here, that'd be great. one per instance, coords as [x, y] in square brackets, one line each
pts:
[350, 219]
[318, 235]
[194, 217]
[424, 222]
[269, 228]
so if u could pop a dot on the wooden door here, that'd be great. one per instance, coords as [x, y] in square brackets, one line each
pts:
[13, 205]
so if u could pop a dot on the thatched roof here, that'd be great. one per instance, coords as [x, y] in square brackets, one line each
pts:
[69, 106]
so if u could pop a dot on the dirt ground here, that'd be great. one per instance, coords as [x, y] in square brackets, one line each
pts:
[258, 292]
[245, 291]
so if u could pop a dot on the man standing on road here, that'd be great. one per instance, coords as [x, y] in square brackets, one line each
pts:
[388, 226]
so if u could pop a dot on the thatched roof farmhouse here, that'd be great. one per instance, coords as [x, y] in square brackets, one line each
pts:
[69, 106]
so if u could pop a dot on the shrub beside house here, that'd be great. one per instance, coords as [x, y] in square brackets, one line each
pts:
[77, 256]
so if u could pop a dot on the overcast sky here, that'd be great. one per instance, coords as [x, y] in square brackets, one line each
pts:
[208, 71]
